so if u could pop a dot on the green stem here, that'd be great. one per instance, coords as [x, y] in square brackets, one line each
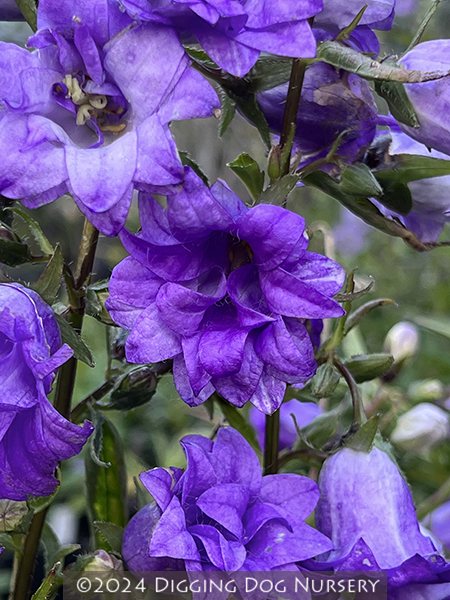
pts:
[359, 413]
[271, 443]
[440, 496]
[424, 24]
[63, 398]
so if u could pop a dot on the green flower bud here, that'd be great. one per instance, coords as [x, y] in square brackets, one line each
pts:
[365, 367]
[325, 381]
[11, 514]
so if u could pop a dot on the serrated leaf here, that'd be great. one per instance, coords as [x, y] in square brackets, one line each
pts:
[249, 107]
[346, 58]
[369, 366]
[8, 542]
[359, 180]
[279, 191]
[186, 160]
[404, 168]
[29, 10]
[248, 171]
[398, 101]
[227, 110]
[45, 589]
[236, 420]
[270, 72]
[71, 338]
[397, 197]
[48, 284]
[439, 325]
[106, 486]
[364, 438]
[112, 534]
[35, 230]
[14, 253]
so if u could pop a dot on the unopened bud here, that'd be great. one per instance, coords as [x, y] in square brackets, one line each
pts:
[103, 562]
[274, 163]
[11, 514]
[325, 381]
[426, 390]
[368, 366]
[421, 428]
[402, 341]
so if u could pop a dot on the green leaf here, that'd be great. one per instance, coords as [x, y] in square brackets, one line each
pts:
[359, 180]
[236, 420]
[356, 317]
[14, 253]
[346, 58]
[248, 171]
[369, 366]
[199, 55]
[279, 191]
[112, 534]
[7, 541]
[227, 110]
[351, 296]
[35, 229]
[250, 108]
[398, 101]
[270, 72]
[397, 197]
[186, 160]
[29, 10]
[72, 339]
[439, 325]
[135, 389]
[364, 438]
[106, 485]
[404, 168]
[48, 284]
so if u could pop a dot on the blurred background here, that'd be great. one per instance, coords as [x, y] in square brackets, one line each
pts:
[418, 283]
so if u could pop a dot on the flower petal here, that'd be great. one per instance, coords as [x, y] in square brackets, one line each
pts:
[226, 504]
[170, 537]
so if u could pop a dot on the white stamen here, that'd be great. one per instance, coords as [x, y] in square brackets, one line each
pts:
[98, 102]
[83, 114]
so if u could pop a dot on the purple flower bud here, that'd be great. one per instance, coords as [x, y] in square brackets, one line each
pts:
[367, 510]
[34, 436]
[225, 291]
[331, 103]
[429, 99]
[221, 514]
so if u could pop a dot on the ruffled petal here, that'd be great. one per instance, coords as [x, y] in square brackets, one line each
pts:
[226, 504]
[284, 39]
[170, 537]
[225, 555]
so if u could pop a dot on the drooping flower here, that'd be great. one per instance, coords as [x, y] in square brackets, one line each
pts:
[429, 99]
[220, 514]
[88, 111]
[304, 413]
[367, 510]
[224, 290]
[336, 15]
[332, 102]
[233, 33]
[34, 437]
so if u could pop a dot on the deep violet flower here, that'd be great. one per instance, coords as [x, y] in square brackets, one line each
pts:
[233, 33]
[304, 413]
[332, 102]
[34, 437]
[220, 514]
[88, 111]
[367, 510]
[224, 290]
[336, 15]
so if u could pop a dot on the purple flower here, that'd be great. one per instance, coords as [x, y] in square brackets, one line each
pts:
[220, 514]
[34, 437]
[88, 111]
[430, 197]
[304, 413]
[224, 290]
[439, 523]
[336, 15]
[233, 33]
[331, 103]
[429, 99]
[367, 510]
[9, 11]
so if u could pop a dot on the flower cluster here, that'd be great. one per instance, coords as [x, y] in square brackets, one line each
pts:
[221, 514]
[34, 437]
[224, 290]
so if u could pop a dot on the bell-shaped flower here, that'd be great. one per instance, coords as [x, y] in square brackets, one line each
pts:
[234, 32]
[220, 514]
[225, 291]
[366, 509]
[88, 110]
[34, 437]
[332, 102]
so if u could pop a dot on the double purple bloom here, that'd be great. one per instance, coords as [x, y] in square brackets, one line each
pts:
[88, 112]
[34, 437]
[224, 290]
[220, 514]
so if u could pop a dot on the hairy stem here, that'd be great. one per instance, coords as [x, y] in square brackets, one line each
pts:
[63, 398]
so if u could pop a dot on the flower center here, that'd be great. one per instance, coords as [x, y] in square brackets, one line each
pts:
[239, 253]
